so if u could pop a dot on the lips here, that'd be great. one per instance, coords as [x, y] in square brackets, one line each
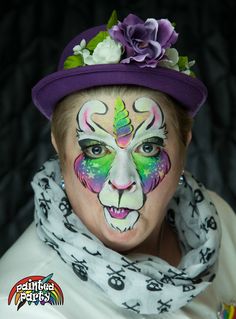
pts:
[121, 219]
[119, 213]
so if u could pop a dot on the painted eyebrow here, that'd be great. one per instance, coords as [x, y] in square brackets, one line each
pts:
[154, 139]
[87, 142]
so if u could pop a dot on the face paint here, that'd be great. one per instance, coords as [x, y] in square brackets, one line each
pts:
[122, 168]
[122, 124]
[151, 160]
[152, 169]
[93, 165]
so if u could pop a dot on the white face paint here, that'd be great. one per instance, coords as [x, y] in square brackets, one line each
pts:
[121, 168]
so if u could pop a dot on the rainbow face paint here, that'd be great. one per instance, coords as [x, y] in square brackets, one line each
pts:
[122, 124]
[151, 168]
[91, 169]
[122, 168]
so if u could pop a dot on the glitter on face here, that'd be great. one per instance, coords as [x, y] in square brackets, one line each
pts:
[122, 124]
[92, 172]
[151, 169]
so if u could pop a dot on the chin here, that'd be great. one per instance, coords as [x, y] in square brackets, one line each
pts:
[122, 237]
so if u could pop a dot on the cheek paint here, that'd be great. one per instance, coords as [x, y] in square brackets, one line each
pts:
[151, 170]
[91, 172]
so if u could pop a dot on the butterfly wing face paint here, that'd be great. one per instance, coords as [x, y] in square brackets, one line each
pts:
[122, 168]
[152, 170]
[92, 172]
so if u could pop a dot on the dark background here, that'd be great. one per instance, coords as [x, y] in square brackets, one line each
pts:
[32, 35]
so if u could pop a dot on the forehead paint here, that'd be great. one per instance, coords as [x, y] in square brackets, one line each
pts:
[84, 118]
[154, 124]
[122, 124]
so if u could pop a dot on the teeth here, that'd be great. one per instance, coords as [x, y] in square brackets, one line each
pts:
[124, 224]
[116, 210]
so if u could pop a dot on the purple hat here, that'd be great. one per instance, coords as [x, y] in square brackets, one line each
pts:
[146, 65]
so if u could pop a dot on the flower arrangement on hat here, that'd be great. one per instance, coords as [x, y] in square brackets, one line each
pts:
[132, 41]
[128, 52]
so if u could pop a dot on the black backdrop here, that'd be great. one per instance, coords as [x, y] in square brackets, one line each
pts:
[32, 35]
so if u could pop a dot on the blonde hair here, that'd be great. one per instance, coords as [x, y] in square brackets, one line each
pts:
[62, 114]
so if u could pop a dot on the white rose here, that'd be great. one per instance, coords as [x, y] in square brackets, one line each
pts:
[171, 61]
[106, 52]
[78, 49]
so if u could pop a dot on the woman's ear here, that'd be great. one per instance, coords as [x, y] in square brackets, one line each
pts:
[189, 138]
[54, 142]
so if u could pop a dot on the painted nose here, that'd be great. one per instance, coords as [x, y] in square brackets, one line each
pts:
[122, 175]
[130, 186]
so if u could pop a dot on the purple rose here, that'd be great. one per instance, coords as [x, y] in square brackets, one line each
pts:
[144, 42]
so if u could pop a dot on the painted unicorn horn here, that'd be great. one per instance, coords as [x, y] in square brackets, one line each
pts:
[122, 124]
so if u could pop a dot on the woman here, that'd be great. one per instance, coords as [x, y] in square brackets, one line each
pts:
[133, 235]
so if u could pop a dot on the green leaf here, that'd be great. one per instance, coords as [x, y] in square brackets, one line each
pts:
[192, 74]
[113, 20]
[173, 24]
[183, 63]
[73, 61]
[97, 39]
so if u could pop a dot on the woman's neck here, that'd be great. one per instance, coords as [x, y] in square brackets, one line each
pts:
[162, 243]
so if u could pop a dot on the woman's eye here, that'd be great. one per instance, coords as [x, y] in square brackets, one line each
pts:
[96, 151]
[148, 149]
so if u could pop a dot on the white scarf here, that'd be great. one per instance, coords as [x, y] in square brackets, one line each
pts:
[143, 284]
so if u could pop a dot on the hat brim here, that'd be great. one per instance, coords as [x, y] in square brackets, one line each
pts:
[188, 91]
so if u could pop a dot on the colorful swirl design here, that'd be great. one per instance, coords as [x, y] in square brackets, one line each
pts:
[122, 124]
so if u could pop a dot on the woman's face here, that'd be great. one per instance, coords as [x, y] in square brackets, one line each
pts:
[123, 162]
